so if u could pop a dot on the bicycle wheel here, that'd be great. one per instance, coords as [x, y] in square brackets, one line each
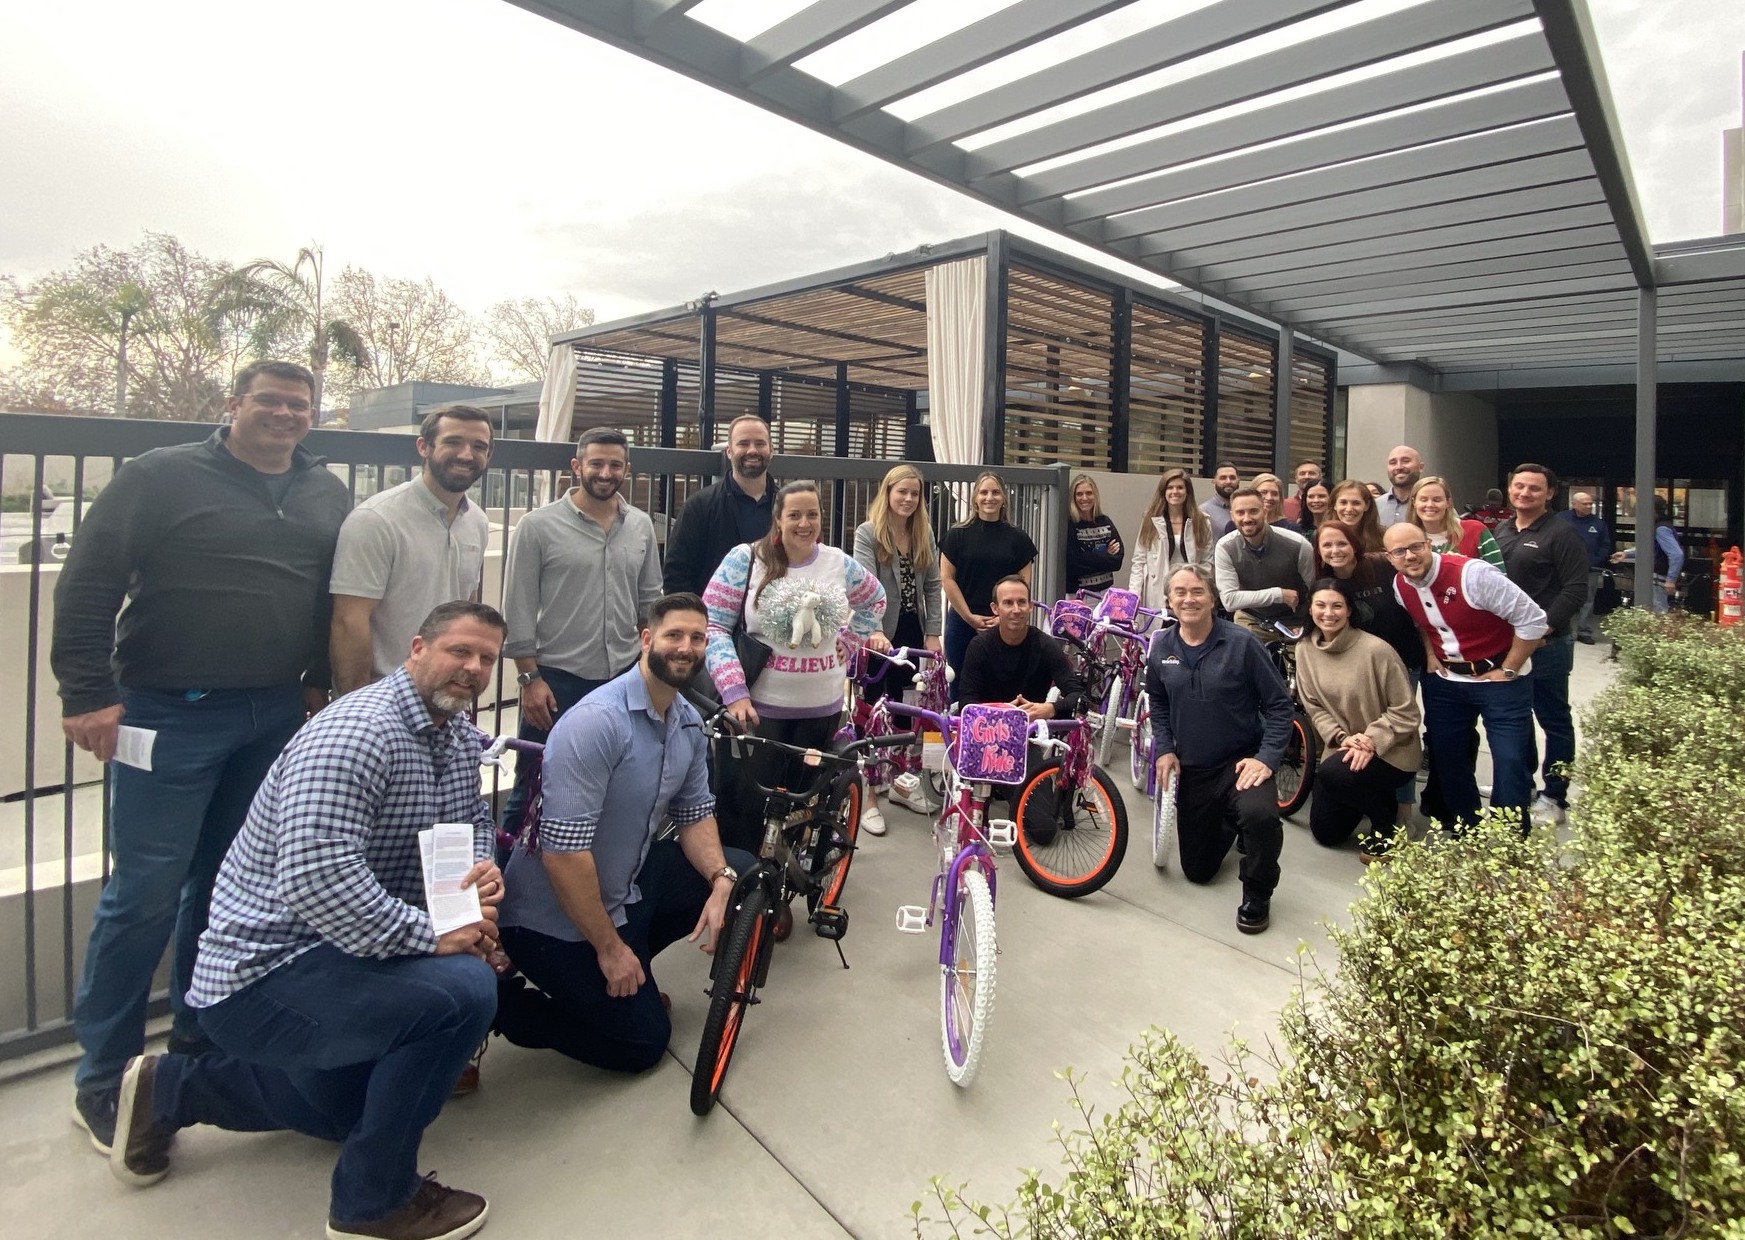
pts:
[1163, 825]
[1110, 727]
[1070, 841]
[1295, 776]
[1139, 761]
[966, 981]
[734, 989]
[833, 839]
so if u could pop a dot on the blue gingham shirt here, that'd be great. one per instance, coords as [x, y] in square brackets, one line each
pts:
[329, 851]
[613, 769]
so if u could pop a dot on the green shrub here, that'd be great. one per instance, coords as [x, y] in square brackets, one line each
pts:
[1523, 1037]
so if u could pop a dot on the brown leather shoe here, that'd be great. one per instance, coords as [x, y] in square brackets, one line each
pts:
[468, 1080]
[434, 1213]
[140, 1153]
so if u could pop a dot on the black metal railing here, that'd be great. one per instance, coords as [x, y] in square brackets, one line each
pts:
[54, 800]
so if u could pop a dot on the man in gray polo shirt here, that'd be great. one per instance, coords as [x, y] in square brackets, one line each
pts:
[592, 897]
[405, 551]
[581, 572]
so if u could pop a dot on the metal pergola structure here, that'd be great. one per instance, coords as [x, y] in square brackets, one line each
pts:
[1441, 183]
[1080, 366]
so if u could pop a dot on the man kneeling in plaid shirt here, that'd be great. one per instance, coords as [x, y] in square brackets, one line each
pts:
[336, 1009]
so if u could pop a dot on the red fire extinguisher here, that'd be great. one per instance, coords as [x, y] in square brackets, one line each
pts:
[1729, 610]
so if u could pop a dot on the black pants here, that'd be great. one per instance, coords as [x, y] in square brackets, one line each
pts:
[571, 1012]
[1344, 798]
[1210, 814]
[738, 803]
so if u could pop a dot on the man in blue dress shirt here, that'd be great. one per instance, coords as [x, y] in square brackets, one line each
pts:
[593, 895]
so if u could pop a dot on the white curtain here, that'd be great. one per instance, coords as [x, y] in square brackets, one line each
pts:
[956, 314]
[557, 399]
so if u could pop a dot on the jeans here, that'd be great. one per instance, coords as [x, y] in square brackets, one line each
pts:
[1452, 710]
[1659, 602]
[1210, 814]
[169, 829]
[1552, 664]
[337, 1047]
[1584, 620]
[958, 635]
[571, 1012]
[1344, 798]
[568, 690]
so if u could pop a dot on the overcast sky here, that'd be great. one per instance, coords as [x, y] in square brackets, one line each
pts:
[475, 143]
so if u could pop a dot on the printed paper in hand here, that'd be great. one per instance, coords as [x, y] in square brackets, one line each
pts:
[133, 746]
[448, 855]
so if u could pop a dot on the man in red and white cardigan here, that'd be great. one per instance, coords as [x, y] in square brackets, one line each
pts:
[1479, 631]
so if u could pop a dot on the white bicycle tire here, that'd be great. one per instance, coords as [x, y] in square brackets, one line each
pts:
[976, 912]
[1163, 825]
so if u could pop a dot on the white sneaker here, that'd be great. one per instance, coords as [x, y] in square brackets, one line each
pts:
[912, 800]
[872, 821]
[1548, 813]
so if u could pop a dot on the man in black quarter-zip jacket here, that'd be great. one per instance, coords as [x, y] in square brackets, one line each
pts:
[1220, 720]
[222, 552]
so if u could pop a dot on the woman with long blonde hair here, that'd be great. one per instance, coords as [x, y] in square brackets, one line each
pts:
[1093, 544]
[1172, 533]
[895, 544]
[1432, 505]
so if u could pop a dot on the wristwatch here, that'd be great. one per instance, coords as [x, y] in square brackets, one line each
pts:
[1509, 673]
[726, 871]
[526, 678]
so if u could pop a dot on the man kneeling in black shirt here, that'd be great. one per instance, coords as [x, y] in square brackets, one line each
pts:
[1018, 664]
[1014, 663]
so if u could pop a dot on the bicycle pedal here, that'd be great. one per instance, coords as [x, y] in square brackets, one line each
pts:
[1002, 833]
[830, 923]
[912, 919]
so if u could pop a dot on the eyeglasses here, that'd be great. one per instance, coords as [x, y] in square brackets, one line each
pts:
[1400, 553]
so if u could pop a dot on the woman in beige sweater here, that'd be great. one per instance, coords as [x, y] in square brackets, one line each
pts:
[1361, 702]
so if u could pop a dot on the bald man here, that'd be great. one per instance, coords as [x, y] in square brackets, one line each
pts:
[1597, 536]
[1405, 466]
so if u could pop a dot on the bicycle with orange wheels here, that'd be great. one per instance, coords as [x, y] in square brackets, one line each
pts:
[808, 844]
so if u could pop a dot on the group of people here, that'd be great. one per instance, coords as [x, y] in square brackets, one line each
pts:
[284, 684]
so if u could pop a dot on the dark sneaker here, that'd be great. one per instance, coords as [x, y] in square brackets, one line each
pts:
[94, 1111]
[140, 1154]
[1254, 916]
[434, 1213]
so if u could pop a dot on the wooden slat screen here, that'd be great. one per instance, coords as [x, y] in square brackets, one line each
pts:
[1059, 354]
[1310, 391]
[1245, 402]
[877, 425]
[621, 391]
[803, 417]
[1166, 402]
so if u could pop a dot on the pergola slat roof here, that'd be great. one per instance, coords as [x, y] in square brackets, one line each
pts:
[1365, 173]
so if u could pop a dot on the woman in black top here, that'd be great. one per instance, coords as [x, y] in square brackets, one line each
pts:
[974, 554]
[1093, 544]
[1367, 582]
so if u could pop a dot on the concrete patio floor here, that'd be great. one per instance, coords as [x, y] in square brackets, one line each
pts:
[837, 1109]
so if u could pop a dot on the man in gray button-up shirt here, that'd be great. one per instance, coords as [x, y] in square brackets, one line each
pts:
[581, 572]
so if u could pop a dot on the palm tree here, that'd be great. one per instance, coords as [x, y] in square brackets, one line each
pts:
[281, 307]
